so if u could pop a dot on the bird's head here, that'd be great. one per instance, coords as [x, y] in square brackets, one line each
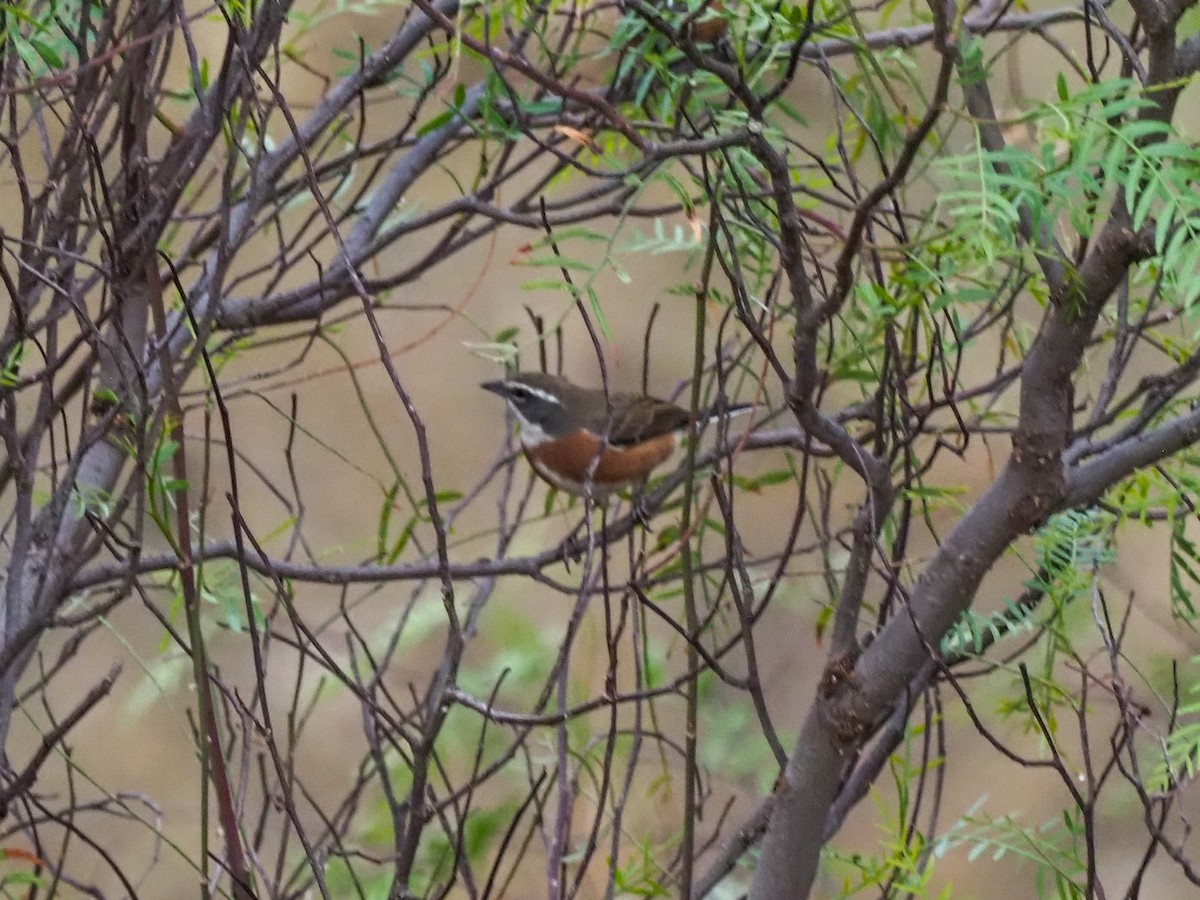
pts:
[541, 403]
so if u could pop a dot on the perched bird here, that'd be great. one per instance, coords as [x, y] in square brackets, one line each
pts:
[583, 442]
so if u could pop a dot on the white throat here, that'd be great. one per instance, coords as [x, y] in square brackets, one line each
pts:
[531, 434]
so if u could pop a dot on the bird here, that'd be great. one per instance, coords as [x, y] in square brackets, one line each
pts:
[586, 442]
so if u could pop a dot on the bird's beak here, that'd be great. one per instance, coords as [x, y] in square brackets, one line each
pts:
[496, 387]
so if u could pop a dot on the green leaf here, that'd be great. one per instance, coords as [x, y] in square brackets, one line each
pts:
[10, 374]
[436, 122]
[47, 53]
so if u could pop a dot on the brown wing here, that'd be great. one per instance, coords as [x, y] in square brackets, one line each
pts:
[639, 418]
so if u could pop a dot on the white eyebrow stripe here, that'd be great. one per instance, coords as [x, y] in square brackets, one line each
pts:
[537, 392]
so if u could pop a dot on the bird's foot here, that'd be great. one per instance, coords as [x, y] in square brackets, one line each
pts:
[642, 513]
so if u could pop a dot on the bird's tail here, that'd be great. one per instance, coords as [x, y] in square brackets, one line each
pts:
[726, 412]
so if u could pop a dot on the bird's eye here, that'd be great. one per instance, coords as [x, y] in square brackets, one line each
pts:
[519, 393]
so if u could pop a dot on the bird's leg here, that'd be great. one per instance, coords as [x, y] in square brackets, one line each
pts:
[640, 509]
[576, 544]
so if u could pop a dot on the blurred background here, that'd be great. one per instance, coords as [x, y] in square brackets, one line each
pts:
[331, 416]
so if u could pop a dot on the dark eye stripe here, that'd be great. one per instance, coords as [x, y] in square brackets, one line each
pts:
[523, 393]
